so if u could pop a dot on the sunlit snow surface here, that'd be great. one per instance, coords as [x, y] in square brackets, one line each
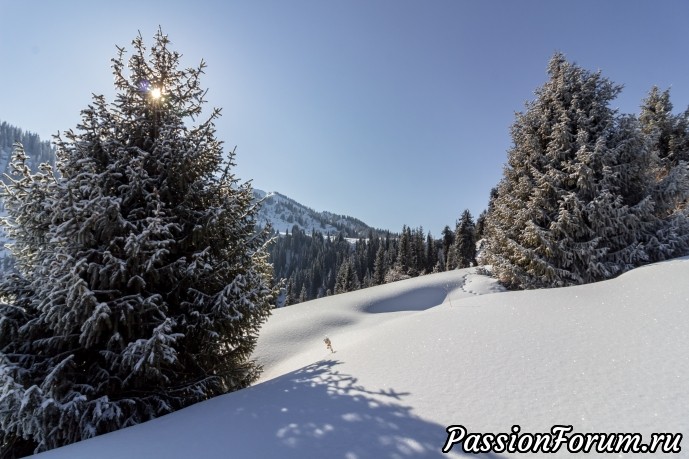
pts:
[418, 355]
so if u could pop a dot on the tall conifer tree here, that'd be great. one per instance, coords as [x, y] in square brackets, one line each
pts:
[667, 135]
[561, 215]
[465, 240]
[141, 283]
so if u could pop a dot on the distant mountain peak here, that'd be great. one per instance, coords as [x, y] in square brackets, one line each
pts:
[283, 213]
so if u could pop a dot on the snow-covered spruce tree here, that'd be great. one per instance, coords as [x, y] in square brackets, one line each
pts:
[347, 279]
[141, 283]
[404, 250]
[561, 214]
[668, 138]
[465, 240]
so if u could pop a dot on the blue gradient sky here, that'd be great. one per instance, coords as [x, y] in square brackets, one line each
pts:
[395, 112]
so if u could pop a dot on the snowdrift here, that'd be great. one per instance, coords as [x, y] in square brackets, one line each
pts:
[416, 356]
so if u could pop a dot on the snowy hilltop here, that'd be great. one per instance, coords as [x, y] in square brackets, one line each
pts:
[414, 357]
[283, 213]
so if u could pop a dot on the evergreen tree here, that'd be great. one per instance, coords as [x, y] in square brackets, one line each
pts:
[39, 151]
[480, 226]
[448, 239]
[347, 280]
[404, 250]
[431, 253]
[419, 252]
[668, 139]
[452, 260]
[368, 280]
[560, 215]
[380, 267]
[667, 133]
[140, 282]
[465, 241]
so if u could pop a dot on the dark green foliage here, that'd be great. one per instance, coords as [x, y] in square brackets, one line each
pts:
[347, 279]
[447, 241]
[140, 282]
[465, 241]
[318, 264]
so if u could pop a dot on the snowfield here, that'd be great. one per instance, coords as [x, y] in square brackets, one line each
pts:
[414, 357]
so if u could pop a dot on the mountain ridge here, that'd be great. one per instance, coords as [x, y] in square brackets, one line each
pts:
[284, 213]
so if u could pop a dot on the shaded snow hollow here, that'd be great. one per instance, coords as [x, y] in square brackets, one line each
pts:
[416, 356]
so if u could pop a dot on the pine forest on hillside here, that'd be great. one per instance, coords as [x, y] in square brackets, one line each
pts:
[314, 265]
[41, 151]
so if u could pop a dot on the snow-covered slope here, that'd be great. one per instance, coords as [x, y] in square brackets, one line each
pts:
[416, 356]
[283, 213]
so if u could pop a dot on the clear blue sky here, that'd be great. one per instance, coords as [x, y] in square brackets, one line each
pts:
[392, 111]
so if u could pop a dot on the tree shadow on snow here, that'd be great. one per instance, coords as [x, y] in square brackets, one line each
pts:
[318, 411]
[313, 412]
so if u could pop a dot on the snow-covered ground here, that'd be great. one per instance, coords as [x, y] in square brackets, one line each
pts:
[416, 356]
